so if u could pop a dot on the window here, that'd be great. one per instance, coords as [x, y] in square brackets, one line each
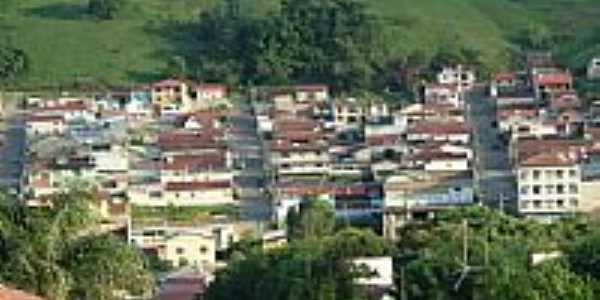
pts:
[525, 190]
[549, 189]
[548, 174]
[549, 204]
[179, 250]
[573, 189]
[560, 189]
[536, 174]
[525, 204]
[560, 203]
[203, 249]
[573, 202]
[176, 195]
[572, 173]
[524, 174]
[560, 174]
[537, 189]
[537, 203]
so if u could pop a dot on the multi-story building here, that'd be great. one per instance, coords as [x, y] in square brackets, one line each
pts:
[178, 246]
[443, 94]
[418, 195]
[299, 148]
[463, 78]
[549, 184]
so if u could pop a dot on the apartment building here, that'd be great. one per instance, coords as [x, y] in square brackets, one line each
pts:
[299, 148]
[462, 77]
[549, 184]
[442, 94]
[352, 112]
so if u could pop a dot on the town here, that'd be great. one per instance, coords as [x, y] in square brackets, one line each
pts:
[178, 166]
[299, 149]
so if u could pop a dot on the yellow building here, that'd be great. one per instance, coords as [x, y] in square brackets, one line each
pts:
[179, 246]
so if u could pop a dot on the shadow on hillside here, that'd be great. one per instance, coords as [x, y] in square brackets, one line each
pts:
[179, 39]
[59, 11]
[140, 77]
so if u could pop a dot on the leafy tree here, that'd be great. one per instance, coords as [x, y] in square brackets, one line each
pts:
[105, 9]
[584, 256]
[50, 252]
[498, 251]
[332, 41]
[13, 61]
[316, 265]
[315, 219]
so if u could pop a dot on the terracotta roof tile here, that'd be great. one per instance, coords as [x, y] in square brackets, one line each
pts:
[11, 294]
[197, 185]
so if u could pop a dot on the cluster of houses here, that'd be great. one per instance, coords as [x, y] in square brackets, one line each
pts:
[369, 158]
[165, 144]
[168, 144]
[552, 137]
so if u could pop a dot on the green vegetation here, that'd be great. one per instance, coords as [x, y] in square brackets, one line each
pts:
[55, 252]
[105, 9]
[498, 250]
[183, 215]
[148, 37]
[314, 266]
[13, 61]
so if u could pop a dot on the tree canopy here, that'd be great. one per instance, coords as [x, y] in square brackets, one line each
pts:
[311, 267]
[499, 247]
[54, 252]
[337, 42]
[105, 9]
[13, 61]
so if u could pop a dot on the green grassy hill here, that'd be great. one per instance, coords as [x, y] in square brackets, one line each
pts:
[66, 45]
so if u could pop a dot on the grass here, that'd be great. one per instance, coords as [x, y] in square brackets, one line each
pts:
[65, 45]
[181, 215]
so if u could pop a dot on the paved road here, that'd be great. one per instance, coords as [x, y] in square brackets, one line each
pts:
[12, 149]
[496, 182]
[247, 150]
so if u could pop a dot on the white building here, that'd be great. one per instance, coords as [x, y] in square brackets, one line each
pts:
[593, 69]
[460, 76]
[548, 185]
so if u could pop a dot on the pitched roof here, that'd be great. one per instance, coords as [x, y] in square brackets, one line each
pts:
[197, 185]
[436, 128]
[167, 83]
[554, 78]
[44, 119]
[12, 294]
[547, 159]
[211, 160]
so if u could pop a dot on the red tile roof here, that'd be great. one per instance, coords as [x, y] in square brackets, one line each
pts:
[312, 88]
[212, 160]
[548, 159]
[167, 83]
[197, 185]
[12, 294]
[182, 288]
[44, 119]
[66, 106]
[439, 128]
[176, 141]
[558, 78]
[211, 87]
[504, 77]
[294, 124]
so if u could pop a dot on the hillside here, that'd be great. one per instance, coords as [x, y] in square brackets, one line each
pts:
[65, 45]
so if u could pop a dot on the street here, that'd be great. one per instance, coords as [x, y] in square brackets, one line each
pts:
[12, 149]
[247, 151]
[497, 187]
